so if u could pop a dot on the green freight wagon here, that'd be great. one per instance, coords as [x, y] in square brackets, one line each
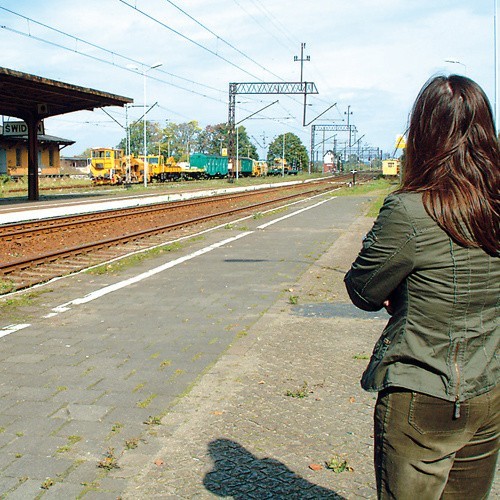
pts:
[214, 166]
[246, 167]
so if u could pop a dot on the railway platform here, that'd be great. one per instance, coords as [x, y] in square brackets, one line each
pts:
[281, 415]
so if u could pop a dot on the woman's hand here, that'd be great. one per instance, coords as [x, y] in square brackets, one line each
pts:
[388, 306]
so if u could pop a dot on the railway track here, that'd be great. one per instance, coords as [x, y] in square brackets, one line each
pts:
[36, 252]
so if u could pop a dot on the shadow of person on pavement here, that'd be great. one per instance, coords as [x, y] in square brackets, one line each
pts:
[241, 475]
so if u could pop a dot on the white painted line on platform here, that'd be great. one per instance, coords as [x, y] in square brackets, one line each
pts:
[270, 223]
[122, 284]
[7, 330]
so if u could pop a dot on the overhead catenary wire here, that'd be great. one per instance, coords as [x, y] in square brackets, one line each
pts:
[113, 54]
[222, 39]
[91, 44]
[112, 58]
[274, 21]
[161, 23]
[279, 40]
[131, 70]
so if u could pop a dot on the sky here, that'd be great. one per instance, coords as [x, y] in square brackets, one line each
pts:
[368, 58]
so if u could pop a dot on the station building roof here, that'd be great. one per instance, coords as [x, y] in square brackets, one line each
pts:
[42, 138]
[26, 96]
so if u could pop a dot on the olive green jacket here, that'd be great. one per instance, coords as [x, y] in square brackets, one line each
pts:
[442, 338]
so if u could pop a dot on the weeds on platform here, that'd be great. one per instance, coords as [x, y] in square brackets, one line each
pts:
[47, 484]
[152, 421]
[301, 392]
[132, 260]
[132, 443]
[24, 299]
[109, 461]
[6, 286]
[72, 440]
[146, 402]
[361, 356]
[337, 465]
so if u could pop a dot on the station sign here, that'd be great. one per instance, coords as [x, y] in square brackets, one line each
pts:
[20, 128]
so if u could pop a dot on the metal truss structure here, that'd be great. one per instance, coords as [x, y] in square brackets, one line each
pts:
[288, 88]
[351, 129]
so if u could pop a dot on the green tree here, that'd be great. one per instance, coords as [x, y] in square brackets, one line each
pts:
[180, 139]
[153, 135]
[215, 137]
[295, 152]
[86, 153]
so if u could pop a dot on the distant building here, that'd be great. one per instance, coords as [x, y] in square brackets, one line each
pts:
[14, 154]
[329, 162]
[75, 165]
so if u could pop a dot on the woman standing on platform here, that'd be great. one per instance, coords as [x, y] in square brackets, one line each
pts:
[432, 260]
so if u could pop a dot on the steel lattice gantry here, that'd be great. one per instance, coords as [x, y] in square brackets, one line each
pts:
[329, 128]
[303, 88]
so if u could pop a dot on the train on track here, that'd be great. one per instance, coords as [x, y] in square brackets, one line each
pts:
[391, 167]
[112, 166]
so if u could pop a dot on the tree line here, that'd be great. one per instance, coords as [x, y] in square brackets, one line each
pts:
[179, 140]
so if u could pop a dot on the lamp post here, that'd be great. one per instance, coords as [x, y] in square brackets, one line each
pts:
[283, 158]
[457, 62]
[144, 74]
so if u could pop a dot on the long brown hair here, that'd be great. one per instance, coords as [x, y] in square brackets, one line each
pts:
[452, 157]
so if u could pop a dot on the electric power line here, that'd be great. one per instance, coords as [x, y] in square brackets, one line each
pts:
[222, 39]
[90, 44]
[276, 22]
[131, 70]
[279, 40]
[149, 16]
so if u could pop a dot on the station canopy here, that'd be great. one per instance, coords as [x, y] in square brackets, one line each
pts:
[33, 98]
[23, 95]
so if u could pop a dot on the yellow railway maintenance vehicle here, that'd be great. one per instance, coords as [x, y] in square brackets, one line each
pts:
[106, 166]
[391, 167]
[259, 168]
[111, 166]
[162, 170]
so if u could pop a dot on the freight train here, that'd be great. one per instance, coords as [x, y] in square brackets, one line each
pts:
[111, 166]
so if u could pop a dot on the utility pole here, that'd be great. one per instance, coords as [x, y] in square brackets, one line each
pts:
[348, 113]
[308, 58]
[296, 58]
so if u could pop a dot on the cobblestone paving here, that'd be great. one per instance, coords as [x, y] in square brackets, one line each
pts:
[283, 401]
[244, 432]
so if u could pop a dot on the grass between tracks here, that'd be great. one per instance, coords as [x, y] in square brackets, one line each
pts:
[132, 260]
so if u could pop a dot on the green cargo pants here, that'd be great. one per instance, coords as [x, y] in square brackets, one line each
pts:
[422, 451]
